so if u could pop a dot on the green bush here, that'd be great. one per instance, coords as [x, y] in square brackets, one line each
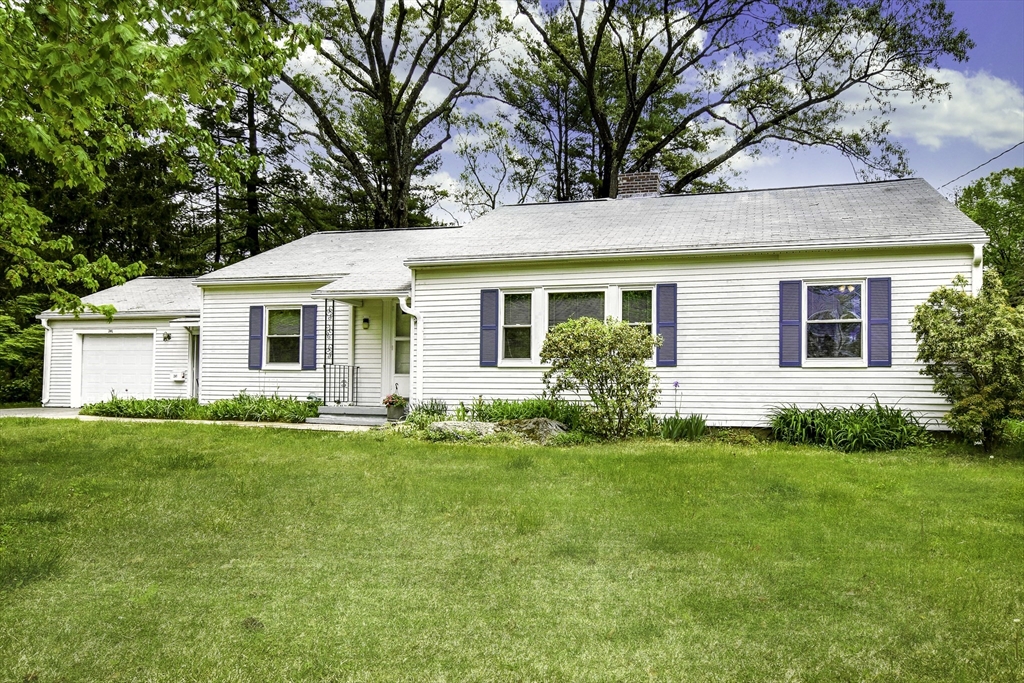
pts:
[608, 361]
[973, 349]
[689, 428]
[154, 408]
[263, 409]
[242, 407]
[572, 415]
[426, 412]
[1014, 434]
[858, 428]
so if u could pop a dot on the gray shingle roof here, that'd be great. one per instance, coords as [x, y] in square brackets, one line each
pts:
[358, 261]
[161, 296]
[896, 212]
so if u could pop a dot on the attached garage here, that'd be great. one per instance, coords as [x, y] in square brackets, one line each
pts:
[149, 349]
[118, 364]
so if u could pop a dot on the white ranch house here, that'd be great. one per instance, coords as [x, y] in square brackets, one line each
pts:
[797, 295]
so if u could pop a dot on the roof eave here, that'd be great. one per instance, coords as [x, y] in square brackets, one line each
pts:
[269, 280]
[379, 294]
[134, 315]
[428, 262]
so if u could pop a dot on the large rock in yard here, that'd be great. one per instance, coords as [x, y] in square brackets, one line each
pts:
[463, 428]
[538, 429]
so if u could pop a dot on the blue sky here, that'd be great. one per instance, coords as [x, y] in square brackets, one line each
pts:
[984, 117]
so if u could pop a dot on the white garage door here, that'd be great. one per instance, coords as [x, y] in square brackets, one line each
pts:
[119, 363]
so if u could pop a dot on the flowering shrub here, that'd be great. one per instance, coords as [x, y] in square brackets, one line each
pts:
[395, 401]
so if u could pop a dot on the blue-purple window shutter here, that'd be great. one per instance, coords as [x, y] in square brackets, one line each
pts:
[666, 324]
[880, 322]
[308, 352]
[255, 337]
[790, 323]
[488, 327]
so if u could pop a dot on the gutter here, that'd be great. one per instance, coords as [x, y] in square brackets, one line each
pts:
[342, 295]
[770, 247]
[133, 315]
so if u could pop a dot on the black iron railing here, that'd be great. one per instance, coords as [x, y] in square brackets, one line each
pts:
[340, 383]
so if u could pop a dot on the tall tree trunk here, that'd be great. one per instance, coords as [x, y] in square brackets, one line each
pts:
[218, 225]
[252, 202]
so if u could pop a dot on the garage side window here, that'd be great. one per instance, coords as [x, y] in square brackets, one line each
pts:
[284, 334]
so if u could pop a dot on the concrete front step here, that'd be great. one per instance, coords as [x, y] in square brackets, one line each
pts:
[352, 420]
[364, 411]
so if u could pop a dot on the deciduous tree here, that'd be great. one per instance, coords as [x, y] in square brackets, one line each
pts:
[996, 203]
[687, 85]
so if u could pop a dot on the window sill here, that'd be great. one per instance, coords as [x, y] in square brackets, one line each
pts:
[279, 367]
[837, 363]
[518, 363]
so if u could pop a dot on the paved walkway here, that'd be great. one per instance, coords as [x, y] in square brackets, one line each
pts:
[52, 413]
[72, 413]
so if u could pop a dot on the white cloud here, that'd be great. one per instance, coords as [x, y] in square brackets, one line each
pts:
[982, 108]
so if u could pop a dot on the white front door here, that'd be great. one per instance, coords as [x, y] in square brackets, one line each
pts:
[402, 350]
[121, 364]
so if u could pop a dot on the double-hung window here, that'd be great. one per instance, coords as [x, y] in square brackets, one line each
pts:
[834, 322]
[517, 326]
[284, 335]
[638, 308]
[563, 306]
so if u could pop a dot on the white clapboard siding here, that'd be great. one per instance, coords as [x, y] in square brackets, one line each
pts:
[225, 340]
[369, 344]
[169, 357]
[728, 327]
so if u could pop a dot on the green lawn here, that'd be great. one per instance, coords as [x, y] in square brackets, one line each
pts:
[174, 552]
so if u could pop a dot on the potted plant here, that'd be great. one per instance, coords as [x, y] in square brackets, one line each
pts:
[396, 406]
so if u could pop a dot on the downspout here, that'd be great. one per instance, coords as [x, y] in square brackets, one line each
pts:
[416, 379]
[47, 349]
[977, 269]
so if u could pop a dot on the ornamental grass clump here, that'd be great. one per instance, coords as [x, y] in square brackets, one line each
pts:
[497, 410]
[243, 408]
[151, 408]
[689, 428]
[857, 428]
[608, 362]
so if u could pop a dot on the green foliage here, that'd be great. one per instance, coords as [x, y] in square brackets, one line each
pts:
[689, 428]
[858, 428]
[21, 348]
[996, 203]
[86, 82]
[244, 407]
[608, 361]
[572, 415]
[1014, 434]
[973, 349]
[250, 408]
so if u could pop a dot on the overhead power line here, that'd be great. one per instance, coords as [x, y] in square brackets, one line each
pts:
[980, 165]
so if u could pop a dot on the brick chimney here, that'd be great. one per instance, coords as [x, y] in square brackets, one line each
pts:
[646, 184]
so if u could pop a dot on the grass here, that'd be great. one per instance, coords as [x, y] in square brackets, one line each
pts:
[179, 552]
